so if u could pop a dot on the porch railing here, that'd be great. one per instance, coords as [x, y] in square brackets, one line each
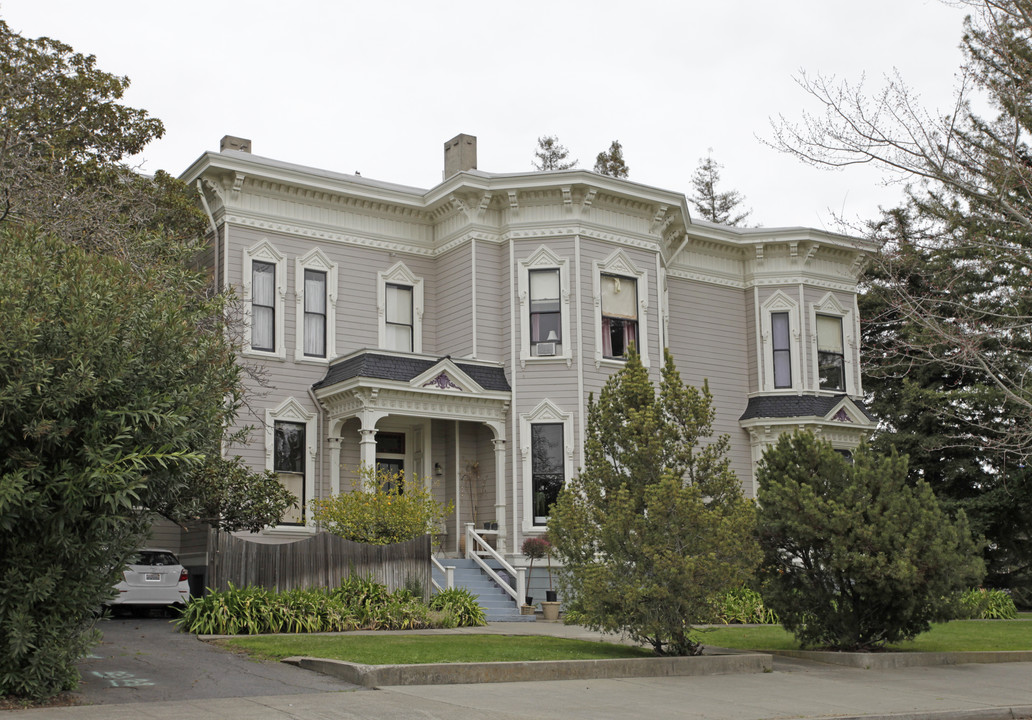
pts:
[476, 547]
[447, 570]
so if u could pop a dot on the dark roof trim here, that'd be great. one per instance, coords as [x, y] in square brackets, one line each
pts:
[403, 369]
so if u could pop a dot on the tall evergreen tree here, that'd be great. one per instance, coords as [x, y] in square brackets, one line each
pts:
[611, 162]
[713, 205]
[551, 154]
[655, 524]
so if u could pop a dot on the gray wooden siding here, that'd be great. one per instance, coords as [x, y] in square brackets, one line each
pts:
[710, 342]
[453, 305]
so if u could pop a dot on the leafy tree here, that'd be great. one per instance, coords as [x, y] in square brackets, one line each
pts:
[551, 154]
[610, 162]
[655, 525]
[969, 185]
[854, 557]
[118, 376]
[715, 206]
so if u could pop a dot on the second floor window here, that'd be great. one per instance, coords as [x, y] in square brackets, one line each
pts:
[782, 350]
[263, 306]
[619, 315]
[399, 317]
[315, 313]
[831, 365]
[546, 327]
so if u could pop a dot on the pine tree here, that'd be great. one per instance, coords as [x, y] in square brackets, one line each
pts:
[715, 206]
[611, 162]
[655, 524]
[551, 154]
[854, 558]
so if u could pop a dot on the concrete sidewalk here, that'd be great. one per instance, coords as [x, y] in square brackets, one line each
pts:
[796, 688]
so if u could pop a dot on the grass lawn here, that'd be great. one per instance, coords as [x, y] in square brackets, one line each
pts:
[958, 635]
[413, 649]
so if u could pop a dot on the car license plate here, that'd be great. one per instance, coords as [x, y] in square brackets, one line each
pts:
[153, 577]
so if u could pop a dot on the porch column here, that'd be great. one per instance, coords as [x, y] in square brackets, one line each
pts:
[367, 447]
[499, 446]
[334, 443]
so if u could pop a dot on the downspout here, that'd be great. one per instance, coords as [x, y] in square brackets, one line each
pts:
[214, 229]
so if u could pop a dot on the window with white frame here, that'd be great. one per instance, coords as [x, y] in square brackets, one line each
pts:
[289, 465]
[781, 347]
[263, 306]
[831, 357]
[545, 307]
[399, 317]
[264, 279]
[547, 459]
[400, 306]
[621, 309]
[548, 468]
[315, 283]
[290, 449]
[546, 326]
[619, 315]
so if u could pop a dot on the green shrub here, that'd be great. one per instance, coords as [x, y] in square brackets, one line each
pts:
[743, 606]
[986, 604]
[462, 605]
[357, 604]
[854, 557]
[384, 508]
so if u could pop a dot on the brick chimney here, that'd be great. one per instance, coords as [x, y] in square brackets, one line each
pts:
[460, 153]
[230, 142]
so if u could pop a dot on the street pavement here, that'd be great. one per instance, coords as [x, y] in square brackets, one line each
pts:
[796, 689]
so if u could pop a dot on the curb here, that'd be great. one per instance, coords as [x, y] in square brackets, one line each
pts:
[892, 660]
[995, 713]
[532, 671]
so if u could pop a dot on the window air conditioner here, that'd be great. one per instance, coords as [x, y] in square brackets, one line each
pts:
[545, 349]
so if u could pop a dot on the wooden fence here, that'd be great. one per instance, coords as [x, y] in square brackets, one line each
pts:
[322, 560]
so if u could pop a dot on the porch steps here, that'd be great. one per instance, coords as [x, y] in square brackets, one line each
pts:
[498, 605]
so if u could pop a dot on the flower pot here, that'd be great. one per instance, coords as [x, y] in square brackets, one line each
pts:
[526, 609]
[551, 596]
[550, 611]
[529, 600]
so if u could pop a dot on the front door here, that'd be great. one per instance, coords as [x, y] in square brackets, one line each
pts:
[390, 458]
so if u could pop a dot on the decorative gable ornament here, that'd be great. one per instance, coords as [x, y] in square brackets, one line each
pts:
[442, 382]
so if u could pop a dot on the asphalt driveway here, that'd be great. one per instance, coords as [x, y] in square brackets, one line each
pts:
[146, 660]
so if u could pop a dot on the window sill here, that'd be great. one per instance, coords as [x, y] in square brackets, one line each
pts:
[281, 356]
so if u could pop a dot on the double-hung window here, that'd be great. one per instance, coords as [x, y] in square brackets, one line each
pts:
[831, 364]
[548, 470]
[263, 306]
[399, 328]
[619, 315]
[289, 464]
[782, 350]
[546, 327]
[315, 313]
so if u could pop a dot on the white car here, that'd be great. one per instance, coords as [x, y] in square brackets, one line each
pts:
[152, 578]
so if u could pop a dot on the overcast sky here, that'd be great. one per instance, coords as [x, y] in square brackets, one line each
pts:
[379, 86]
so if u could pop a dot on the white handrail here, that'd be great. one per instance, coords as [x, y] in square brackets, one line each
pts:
[517, 593]
[447, 570]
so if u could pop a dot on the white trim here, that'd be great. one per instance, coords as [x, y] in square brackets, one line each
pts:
[618, 263]
[399, 274]
[292, 410]
[263, 251]
[546, 412]
[780, 302]
[315, 260]
[829, 305]
[544, 259]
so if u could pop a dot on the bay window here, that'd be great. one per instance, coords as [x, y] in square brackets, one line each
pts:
[619, 315]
